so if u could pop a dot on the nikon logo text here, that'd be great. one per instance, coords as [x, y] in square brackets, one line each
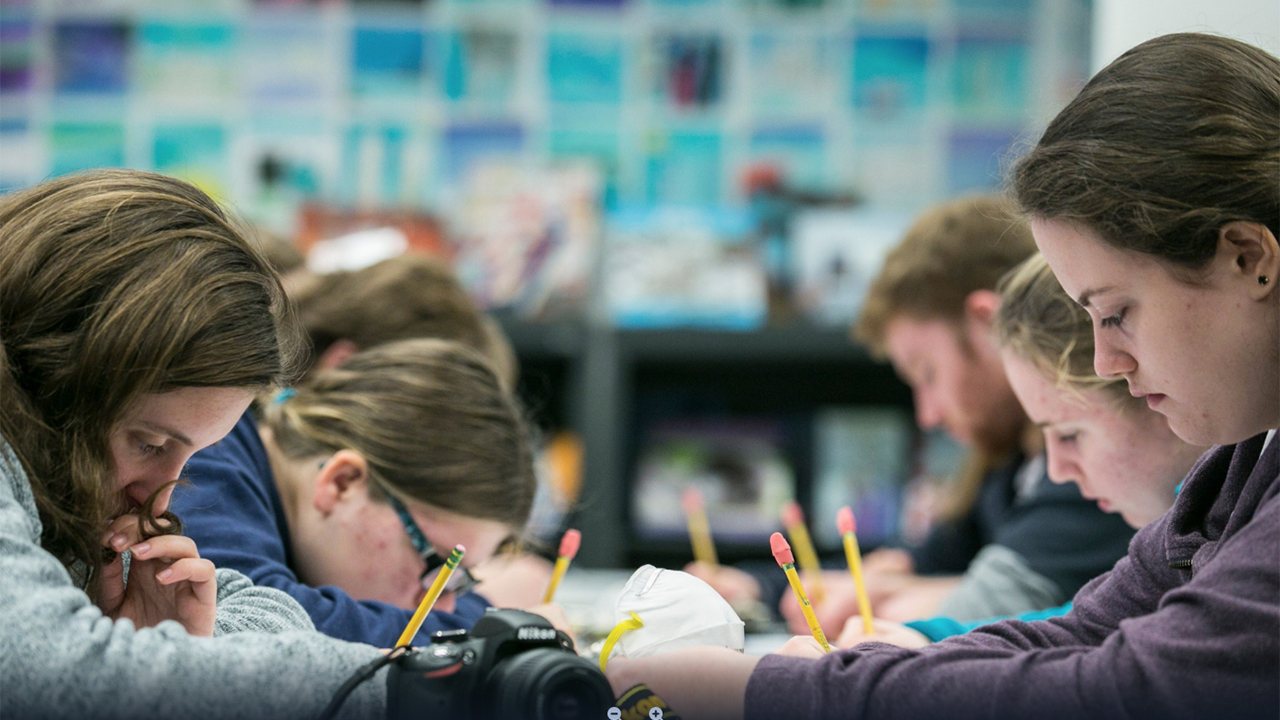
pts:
[535, 633]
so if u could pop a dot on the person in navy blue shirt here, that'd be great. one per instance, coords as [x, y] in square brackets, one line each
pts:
[347, 492]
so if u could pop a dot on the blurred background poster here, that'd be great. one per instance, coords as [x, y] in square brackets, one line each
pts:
[735, 465]
[672, 208]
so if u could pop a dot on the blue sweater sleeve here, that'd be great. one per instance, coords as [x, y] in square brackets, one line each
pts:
[233, 512]
[940, 628]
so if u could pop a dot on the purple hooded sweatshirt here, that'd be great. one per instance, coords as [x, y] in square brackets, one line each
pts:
[1186, 626]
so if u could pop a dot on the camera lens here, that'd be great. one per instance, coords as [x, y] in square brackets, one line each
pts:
[548, 684]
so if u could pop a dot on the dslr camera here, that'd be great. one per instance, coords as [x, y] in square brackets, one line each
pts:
[512, 665]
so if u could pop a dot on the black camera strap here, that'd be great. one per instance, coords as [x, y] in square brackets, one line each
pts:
[364, 673]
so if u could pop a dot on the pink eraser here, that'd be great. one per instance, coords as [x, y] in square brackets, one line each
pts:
[692, 501]
[792, 515]
[781, 550]
[569, 543]
[844, 521]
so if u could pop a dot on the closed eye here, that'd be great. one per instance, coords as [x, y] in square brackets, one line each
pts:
[1113, 321]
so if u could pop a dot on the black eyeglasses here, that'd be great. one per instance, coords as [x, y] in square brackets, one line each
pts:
[460, 583]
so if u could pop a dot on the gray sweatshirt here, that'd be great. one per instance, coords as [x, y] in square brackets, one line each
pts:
[59, 657]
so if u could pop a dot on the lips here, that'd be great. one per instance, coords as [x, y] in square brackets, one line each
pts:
[1154, 399]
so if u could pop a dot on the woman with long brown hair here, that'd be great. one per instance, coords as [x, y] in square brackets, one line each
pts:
[136, 325]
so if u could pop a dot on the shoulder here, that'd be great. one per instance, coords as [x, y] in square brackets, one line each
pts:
[16, 488]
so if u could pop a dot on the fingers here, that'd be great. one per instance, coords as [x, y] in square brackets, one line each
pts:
[803, 646]
[166, 547]
[195, 570]
[123, 532]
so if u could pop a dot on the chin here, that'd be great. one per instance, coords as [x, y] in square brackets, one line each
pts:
[1203, 431]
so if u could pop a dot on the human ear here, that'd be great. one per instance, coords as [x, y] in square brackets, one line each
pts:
[980, 308]
[336, 354]
[343, 477]
[1254, 255]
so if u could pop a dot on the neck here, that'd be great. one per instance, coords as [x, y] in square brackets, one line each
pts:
[288, 474]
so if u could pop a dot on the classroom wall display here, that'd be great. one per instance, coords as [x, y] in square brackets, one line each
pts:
[898, 102]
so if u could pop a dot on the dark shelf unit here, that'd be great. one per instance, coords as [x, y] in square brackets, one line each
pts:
[606, 384]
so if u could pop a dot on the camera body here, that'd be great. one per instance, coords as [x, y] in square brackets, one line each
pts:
[512, 665]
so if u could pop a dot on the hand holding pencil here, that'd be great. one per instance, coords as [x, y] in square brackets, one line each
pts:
[793, 521]
[782, 554]
[848, 532]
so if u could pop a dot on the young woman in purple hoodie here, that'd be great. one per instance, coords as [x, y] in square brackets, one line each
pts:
[1154, 197]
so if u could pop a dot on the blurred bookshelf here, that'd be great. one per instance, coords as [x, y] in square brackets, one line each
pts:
[612, 386]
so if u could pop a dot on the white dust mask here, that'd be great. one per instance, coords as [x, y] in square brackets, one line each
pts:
[677, 611]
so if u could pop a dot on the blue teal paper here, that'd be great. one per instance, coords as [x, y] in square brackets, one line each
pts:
[80, 146]
[890, 74]
[196, 153]
[990, 78]
[464, 145]
[684, 167]
[584, 68]
[91, 56]
[388, 61]
[975, 157]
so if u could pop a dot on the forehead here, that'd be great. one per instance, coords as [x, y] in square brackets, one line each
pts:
[202, 414]
[1044, 402]
[907, 338]
[1082, 262]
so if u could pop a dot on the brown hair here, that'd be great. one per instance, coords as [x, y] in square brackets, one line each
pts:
[951, 251]
[431, 419]
[1042, 324]
[1176, 138]
[410, 296]
[114, 284]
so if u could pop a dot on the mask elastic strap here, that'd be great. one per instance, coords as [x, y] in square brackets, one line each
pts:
[615, 634]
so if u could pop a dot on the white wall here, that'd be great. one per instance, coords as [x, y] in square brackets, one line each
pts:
[1120, 24]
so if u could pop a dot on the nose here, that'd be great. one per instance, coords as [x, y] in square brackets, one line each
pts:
[1060, 464]
[1110, 360]
[161, 505]
[156, 480]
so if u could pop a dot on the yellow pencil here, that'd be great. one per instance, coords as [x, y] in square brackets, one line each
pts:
[430, 598]
[844, 521]
[568, 549]
[704, 550]
[793, 521]
[782, 553]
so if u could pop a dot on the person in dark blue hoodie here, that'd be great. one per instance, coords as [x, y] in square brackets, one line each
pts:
[348, 491]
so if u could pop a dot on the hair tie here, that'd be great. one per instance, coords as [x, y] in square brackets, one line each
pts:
[282, 395]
